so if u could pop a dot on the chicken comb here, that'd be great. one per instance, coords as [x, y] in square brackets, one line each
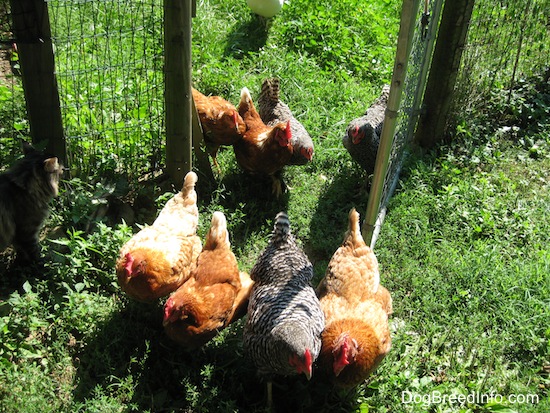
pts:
[288, 131]
[168, 307]
[129, 264]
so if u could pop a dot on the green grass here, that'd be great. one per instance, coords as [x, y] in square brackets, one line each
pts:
[464, 248]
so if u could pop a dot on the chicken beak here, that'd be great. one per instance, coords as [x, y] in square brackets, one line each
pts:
[338, 370]
[236, 121]
[308, 370]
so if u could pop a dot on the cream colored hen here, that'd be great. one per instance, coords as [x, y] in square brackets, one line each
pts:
[160, 257]
[356, 308]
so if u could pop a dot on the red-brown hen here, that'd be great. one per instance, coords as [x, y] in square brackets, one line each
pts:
[264, 150]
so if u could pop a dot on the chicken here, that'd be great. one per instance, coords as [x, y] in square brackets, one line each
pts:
[215, 295]
[274, 111]
[160, 257]
[284, 323]
[263, 149]
[265, 8]
[356, 308]
[362, 136]
[221, 123]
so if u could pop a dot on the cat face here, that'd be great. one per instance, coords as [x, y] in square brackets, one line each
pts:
[39, 172]
[54, 170]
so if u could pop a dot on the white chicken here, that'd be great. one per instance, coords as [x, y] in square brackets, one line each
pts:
[265, 8]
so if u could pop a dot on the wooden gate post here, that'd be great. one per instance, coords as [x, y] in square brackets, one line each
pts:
[31, 27]
[177, 92]
[451, 38]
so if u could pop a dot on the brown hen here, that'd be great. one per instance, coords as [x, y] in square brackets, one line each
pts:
[221, 123]
[356, 308]
[264, 150]
[215, 295]
[160, 257]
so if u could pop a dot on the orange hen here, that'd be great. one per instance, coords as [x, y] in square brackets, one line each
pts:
[220, 121]
[264, 149]
[215, 295]
[160, 257]
[356, 307]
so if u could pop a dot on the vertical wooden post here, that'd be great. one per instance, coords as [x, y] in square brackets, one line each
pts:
[31, 26]
[177, 93]
[453, 29]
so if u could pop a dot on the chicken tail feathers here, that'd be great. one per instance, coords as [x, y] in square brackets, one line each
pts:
[218, 234]
[354, 229]
[281, 228]
[246, 98]
[188, 190]
[270, 89]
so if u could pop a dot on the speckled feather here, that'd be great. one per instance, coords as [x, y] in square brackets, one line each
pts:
[371, 123]
[273, 111]
[284, 316]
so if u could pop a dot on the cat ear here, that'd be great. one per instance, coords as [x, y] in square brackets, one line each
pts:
[51, 165]
[27, 147]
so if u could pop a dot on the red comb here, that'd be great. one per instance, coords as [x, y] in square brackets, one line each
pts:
[288, 131]
[128, 265]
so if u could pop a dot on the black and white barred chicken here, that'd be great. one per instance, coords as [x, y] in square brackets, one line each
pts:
[362, 136]
[282, 334]
[274, 111]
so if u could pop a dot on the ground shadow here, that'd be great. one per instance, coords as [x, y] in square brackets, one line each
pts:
[130, 356]
[252, 197]
[248, 36]
[348, 189]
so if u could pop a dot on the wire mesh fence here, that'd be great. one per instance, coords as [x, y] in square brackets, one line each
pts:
[109, 61]
[12, 103]
[507, 42]
[109, 71]
[426, 23]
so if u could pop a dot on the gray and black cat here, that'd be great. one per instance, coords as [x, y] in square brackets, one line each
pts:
[25, 192]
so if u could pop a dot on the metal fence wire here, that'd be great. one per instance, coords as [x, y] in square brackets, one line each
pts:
[508, 42]
[422, 43]
[109, 66]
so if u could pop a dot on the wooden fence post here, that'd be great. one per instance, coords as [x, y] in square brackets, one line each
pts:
[453, 29]
[31, 27]
[177, 93]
